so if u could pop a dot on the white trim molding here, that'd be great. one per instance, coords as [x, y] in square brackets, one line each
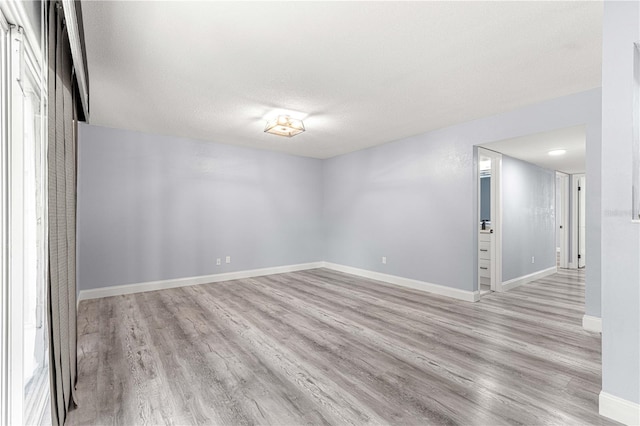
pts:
[619, 409]
[119, 290]
[466, 295]
[591, 323]
[517, 282]
[4, 218]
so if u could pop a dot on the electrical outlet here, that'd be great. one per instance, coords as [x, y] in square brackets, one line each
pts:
[218, 262]
[384, 260]
[533, 259]
[228, 260]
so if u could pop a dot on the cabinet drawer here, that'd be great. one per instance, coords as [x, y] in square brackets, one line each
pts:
[485, 236]
[485, 250]
[485, 268]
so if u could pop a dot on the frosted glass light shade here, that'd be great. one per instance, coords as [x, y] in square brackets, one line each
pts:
[284, 125]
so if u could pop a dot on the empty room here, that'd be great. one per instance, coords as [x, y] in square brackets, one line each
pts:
[287, 213]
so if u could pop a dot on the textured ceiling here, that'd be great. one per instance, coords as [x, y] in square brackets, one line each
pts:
[535, 149]
[359, 73]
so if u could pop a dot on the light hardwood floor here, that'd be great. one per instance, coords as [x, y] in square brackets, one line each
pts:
[322, 347]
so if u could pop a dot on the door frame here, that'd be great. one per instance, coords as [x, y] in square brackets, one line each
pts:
[496, 217]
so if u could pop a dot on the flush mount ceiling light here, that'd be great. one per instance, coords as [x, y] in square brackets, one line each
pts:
[556, 152]
[283, 125]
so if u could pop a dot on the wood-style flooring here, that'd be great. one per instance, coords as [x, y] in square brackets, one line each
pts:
[323, 347]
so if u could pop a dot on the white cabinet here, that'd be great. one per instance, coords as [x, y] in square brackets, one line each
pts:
[484, 259]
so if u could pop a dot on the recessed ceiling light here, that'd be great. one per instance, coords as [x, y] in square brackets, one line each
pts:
[557, 152]
[284, 125]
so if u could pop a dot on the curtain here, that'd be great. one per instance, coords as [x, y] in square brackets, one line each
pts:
[61, 162]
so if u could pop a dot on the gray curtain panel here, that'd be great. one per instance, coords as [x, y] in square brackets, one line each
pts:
[61, 161]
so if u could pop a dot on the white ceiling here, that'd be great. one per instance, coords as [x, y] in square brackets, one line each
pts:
[535, 149]
[359, 73]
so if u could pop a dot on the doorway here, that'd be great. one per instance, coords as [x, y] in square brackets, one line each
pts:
[488, 221]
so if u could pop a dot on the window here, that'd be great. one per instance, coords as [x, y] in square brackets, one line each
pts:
[35, 372]
[4, 255]
[24, 387]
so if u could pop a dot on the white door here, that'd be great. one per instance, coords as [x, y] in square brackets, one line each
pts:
[581, 222]
[562, 219]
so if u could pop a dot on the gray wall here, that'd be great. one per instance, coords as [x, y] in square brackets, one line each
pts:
[528, 218]
[620, 237]
[155, 207]
[414, 200]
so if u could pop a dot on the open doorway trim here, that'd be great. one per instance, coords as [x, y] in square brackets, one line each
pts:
[496, 216]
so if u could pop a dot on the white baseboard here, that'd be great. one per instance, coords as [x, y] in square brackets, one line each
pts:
[118, 290]
[618, 409]
[516, 282]
[591, 323]
[469, 296]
